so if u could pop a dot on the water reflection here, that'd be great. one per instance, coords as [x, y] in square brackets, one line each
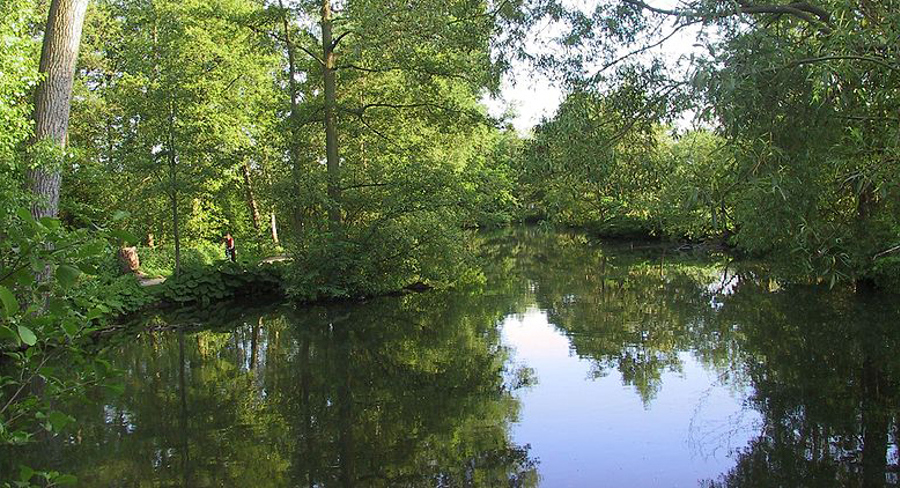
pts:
[819, 366]
[398, 392]
[824, 368]
[627, 353]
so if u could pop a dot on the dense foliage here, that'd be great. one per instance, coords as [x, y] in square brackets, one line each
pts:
[797, 157]
[352, 139]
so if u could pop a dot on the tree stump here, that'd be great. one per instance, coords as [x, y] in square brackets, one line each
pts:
[128, 260]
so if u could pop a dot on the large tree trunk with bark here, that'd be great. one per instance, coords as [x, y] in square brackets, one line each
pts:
[331, 139]
[62, 38]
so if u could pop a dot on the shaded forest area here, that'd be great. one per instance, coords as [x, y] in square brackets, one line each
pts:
[353, 138]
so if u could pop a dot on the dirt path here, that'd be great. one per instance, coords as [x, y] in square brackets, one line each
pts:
[151, 281]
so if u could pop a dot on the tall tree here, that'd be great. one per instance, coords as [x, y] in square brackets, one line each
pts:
[62, 38]
[396, 92]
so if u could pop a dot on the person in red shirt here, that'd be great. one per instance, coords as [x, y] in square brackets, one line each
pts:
[229, 247]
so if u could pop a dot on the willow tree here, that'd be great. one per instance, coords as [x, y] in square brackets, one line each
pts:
[804, 95]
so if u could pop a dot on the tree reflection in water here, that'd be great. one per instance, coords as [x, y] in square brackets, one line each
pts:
[822, 365]
[400, 392]
[420, 391]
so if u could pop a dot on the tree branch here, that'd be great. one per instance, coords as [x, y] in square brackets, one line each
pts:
[491, 13]
[364, 185]
[884, 253]
[282, 40]
[649, 46]
[338, 39]
[311, 54]
[844, 57]
[396, 106]
[400, 68]
[809, 13]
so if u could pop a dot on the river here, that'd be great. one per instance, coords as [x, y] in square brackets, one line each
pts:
[562, 362]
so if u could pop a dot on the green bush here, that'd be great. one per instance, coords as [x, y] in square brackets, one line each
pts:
[378, 260]
[886, 273]
[46, 328]
[115, 296]
[208, 284]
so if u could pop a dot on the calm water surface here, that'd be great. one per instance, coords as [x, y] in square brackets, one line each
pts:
[566, 364]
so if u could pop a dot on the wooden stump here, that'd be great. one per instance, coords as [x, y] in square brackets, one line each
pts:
[128, 260]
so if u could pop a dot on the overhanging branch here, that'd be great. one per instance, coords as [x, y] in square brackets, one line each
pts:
[811, 14]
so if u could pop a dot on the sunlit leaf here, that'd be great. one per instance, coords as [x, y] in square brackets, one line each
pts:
[10, 304]
[27, 335]
[67, 275]
[125, 237]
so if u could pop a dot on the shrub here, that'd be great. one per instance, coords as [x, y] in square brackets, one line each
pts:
[207, 284]
[115, 296]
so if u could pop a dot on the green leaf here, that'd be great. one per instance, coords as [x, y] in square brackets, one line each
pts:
[66, 275]
[25, 215]
[10, 304]
[59, 420]
[70, 327]
[7, 333]
[91, 249]
[57, 306]
[25, 473]
[50, 223]
[65, 479]
[125, 237]
[27, 335]
[96, 313]
[119, 215]
[87, 268]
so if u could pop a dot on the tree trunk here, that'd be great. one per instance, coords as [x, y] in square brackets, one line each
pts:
[175, 232]
[251, 198]
[173, 182]
[331, 138]
[254, 344]
[294, 117]
[876, 418]
[864, 204]
[51, 103]
[129, 263]
[183, 417]
[292, 64]
[173, 198]
[345, 406]
[274, 228]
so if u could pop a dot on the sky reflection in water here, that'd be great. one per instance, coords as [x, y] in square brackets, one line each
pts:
[588, 431]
